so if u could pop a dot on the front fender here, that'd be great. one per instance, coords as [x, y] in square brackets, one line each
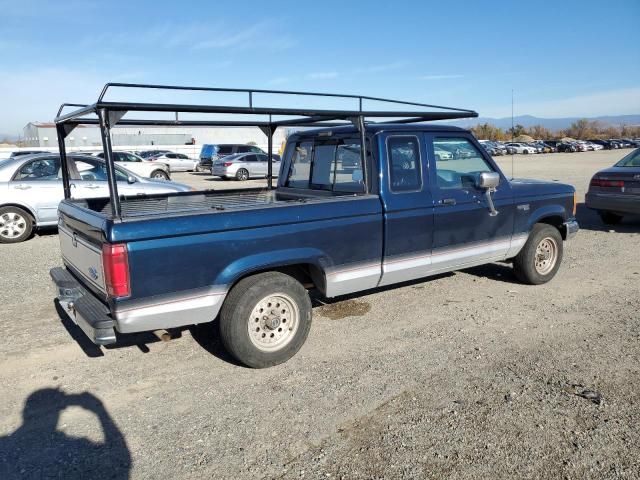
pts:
[547, 211]
[272, 259]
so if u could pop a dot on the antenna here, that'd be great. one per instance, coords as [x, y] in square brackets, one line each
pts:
[512, 151]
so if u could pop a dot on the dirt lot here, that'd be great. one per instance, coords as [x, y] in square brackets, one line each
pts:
[466, 375]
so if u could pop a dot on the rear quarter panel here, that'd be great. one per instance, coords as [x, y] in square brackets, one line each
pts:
[189, 253]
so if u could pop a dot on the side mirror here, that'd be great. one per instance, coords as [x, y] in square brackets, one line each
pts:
[131, 179]
[487, 180]
[356, 176]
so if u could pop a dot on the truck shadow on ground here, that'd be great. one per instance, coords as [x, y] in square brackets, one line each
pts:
[38, 449]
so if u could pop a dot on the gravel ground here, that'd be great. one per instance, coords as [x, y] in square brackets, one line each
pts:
[466, 375]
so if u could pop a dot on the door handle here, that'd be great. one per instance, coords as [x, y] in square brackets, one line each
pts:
[92, 186]
[448, 201]
[22, 186]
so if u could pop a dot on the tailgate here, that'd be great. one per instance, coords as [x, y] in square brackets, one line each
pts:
[83, 257]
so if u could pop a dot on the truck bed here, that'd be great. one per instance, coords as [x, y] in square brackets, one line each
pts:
[200, 202]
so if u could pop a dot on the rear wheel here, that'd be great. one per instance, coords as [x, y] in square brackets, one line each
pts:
[540, 258]
[159, 175]
[265, 319]
[610, 218]
[15, 225]
[242, 174]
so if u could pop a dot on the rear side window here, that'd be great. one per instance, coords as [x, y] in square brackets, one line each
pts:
[405, 174]
[41, 169]
[326, 165]
[243, 149]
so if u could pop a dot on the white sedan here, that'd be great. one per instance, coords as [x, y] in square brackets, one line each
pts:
[178, 162]
[139, 166]
[522, 148]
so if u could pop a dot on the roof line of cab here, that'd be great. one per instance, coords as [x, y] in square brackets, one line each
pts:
[380, 127]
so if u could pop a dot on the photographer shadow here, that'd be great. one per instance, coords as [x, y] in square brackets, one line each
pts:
[37, 449]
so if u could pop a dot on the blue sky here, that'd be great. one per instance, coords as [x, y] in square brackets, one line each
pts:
[562, 58]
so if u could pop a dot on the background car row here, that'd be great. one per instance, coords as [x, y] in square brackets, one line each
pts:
[550, 146]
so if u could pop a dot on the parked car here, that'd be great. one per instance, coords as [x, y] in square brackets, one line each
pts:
[522, 148]
[605, 144]
[139, 166]
[18, 153]
[215, 151]
[243, 166]
[615, 192]
[567, 147]
[151, 153]
[31, 189]
[323, 228]
[178, 162]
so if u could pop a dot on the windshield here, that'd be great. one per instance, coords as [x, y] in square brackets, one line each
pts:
[631, 160]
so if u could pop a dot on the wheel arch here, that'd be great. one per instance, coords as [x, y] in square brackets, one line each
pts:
[27, 209]
[305, 265]
[553, 215]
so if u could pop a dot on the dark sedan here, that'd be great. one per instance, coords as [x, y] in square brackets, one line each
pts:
[615, 192]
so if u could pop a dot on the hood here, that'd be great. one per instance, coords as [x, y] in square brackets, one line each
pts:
[165, 185]
[530, 186]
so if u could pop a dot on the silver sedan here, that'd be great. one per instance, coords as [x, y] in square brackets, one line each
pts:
[31, 189]
[243, 166]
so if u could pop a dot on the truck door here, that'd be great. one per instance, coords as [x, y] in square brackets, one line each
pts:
[465, 231]
[408, 206]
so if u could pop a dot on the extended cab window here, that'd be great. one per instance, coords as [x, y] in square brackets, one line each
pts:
[458, 162]
[405, 174]
[332, 165]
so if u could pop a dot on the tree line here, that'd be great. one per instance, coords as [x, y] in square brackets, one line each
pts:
[582, 129]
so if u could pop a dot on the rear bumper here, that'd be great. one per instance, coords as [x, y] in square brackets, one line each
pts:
[629, 204]
[84, 309]
[571, 229]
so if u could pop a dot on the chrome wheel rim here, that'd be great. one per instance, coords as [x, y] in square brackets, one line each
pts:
[546, 255]
[159, 175]
[12, 225]
[273, 322]
[244, 175]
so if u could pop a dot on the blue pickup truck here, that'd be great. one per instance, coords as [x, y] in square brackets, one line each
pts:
[420, 200]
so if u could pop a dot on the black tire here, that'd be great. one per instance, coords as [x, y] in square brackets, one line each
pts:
[238, 310]
[524, 264]
[525, 152]
[242, 174]
[16, 225]
[610, 218]
[159, 175]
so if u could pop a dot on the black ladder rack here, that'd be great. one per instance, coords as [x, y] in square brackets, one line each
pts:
[107, 114]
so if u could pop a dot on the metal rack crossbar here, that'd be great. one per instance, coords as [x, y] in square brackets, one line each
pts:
[107, 114]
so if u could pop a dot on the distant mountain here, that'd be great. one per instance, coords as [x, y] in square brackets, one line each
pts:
[550, 123]
[8, 136]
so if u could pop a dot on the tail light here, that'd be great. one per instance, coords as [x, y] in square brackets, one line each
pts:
[227, 164]
[115, 264]
[575, 203]
[599, 182]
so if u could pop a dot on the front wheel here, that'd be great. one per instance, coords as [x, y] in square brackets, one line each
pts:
[242, 174]
[159, 175]
[15, 225]
[540, 258]
[265, 319]
[525, 151]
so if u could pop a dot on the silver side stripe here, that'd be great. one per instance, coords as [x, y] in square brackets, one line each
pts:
[400, 269]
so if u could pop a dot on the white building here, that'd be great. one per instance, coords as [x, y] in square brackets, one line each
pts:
[43, 135]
